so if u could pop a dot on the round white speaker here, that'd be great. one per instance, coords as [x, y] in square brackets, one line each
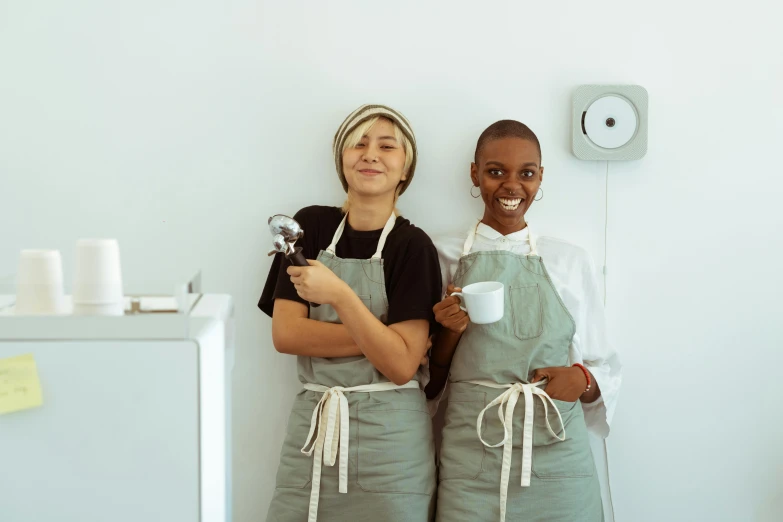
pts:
[609, 122]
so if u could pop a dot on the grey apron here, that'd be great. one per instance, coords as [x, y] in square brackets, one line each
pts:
[378, 433]
[534, 464]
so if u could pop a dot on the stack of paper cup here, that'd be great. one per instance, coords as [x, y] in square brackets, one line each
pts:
[97, 285]
[39, 289]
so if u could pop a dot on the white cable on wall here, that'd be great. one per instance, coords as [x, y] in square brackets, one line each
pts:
[606, 226]
[606, 260]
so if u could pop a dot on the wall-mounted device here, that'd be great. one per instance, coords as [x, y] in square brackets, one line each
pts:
[609, 122]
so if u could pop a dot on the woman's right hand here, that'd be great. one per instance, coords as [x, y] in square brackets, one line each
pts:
[449, 314]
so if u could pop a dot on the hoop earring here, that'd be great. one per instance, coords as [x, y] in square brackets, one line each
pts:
[471, 191]
[542, 194]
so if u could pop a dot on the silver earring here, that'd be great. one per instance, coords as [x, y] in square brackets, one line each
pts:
[542, 194]
[471, 191]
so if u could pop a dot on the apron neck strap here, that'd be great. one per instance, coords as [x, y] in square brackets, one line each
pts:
[531, 239]
[470, 239]
[385, 234]
[381, 242]
[337, 235]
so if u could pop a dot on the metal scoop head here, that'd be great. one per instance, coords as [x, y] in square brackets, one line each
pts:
[286, 227]
[286, 232]
[279, 244]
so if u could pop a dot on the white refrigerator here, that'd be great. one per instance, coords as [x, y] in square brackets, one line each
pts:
[135, 424]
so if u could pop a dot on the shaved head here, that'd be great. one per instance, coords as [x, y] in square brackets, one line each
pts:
[506, 129]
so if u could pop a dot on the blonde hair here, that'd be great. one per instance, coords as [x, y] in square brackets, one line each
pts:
[361, 130]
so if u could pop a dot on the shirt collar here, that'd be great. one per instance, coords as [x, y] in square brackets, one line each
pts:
[487, 232]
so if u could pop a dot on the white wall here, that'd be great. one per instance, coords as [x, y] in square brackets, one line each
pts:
[180, 126]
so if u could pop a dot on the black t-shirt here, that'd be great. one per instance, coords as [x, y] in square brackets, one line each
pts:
[410, 263]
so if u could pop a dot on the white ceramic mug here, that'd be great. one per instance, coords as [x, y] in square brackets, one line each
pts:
[484, 302]
[39, 288]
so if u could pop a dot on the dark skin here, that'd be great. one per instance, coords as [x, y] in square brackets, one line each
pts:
[508, 169]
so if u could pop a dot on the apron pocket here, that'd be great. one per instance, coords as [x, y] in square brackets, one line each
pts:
[368, 302]
[571, 458]
[526, 309]
[296, 468]
[461, 451]
[541, 435]
[395, 446]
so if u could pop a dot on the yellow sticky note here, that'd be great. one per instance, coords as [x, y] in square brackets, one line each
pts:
[20, 388]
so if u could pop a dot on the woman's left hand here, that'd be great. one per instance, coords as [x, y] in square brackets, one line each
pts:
[316, 283]
[565, 383]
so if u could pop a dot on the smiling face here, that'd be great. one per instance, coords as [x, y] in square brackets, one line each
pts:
[375, 165]
[509, 173]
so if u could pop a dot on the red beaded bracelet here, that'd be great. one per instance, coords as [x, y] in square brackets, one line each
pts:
[587, 376]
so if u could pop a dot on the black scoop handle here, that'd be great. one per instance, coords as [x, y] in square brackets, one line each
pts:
[298, 259]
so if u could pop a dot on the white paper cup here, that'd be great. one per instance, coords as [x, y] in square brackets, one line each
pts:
[39, 289]
[484, 302]
[97, 273]
[99, 309]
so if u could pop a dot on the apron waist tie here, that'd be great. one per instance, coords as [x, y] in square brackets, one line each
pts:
[510, 398]
[333, 409]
